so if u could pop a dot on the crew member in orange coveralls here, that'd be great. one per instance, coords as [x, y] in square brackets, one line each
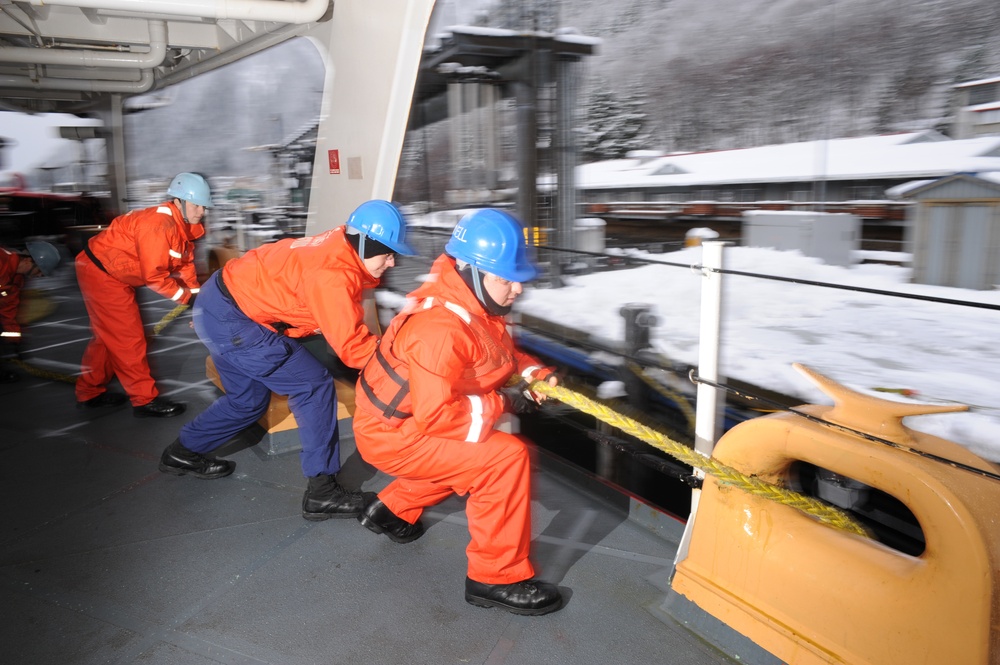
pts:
[251, 315]
[42, 259]
[140, 248]
[427, 403]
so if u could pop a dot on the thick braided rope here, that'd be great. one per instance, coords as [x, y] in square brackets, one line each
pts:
[42, 373]
[725, 474]
[672, 395]
[168, 317]
[65, 378]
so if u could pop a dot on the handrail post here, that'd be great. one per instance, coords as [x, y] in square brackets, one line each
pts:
[708, 410]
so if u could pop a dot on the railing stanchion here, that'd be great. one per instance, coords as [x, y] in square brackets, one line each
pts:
[708, 410]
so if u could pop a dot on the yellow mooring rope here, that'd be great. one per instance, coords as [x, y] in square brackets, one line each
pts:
[66, 378]
[725, 474]
[672, 395]
[41, 373]
[170, 316]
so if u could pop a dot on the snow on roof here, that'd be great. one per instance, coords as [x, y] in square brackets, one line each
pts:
[900, 191]
[916, 155]
[969, 84]
[907, 190]
[567, 35]
[987, 106]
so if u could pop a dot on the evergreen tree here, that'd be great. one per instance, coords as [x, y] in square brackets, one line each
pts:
[614, 125]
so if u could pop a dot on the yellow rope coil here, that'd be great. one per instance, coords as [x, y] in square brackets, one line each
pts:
[170, 316]
[725, 474]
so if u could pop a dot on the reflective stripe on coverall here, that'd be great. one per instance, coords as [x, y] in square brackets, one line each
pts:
[141, 248]
[10, 295]
[454, 356]
[313, 285]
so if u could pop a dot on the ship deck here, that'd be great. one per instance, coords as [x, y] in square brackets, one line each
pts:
[106, 560]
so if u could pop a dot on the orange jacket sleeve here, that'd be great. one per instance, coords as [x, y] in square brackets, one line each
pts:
[154, 245]
[528, 367]
[188, 271]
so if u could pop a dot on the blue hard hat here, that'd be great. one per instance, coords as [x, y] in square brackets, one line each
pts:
[492, 241]
[45, 255]
[191, 187]
[384, 222]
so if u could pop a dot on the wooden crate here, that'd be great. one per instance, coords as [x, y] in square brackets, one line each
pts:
[278, 421]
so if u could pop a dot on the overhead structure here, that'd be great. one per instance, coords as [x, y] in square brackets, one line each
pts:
[538, 69]
[84, 49]
[89, 56]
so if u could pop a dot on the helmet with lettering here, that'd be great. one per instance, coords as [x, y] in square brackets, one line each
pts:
[382, 222]
[191, 187]
[492, 240]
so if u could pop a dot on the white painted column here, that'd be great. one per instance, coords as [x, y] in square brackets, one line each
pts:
[710, 402]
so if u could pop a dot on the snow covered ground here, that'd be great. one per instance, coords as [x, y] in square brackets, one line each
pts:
[944, 352]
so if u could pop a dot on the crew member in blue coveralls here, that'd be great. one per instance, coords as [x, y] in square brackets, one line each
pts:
[251, 314]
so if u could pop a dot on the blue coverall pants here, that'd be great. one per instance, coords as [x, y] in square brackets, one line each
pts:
[253, 362]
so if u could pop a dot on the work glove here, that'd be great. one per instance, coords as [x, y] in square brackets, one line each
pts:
[517, 398]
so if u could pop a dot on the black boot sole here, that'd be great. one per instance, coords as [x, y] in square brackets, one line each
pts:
[320, 517]
[146, 414]
[524, 611]
[176, 471]
[372, 526]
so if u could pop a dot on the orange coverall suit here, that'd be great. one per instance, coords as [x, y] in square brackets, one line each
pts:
[10, 296]
[440, 438]
[140, 248]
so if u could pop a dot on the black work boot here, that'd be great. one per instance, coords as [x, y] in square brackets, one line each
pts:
[178, 460]
[106, 398]
[378, 518]
[325, 498]
[530, 597]
[158, 408]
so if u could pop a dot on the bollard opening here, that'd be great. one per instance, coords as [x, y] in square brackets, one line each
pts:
[886, 517]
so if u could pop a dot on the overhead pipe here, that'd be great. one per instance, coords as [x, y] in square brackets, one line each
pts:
[144, 83]
[232, 55]
[280, 11]
[90, 58]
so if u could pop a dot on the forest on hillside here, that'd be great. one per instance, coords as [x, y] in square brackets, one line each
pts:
[668, 75]
[687, 75]
[711, 74]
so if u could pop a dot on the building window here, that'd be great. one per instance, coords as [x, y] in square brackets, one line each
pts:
[984, 94]
[864, 192]
[988, 117]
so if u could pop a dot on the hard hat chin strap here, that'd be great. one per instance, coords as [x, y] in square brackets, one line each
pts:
[361, 245]
[487, 301]
[477, 283]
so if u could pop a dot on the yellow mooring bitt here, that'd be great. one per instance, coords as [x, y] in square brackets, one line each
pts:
[809, 593]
